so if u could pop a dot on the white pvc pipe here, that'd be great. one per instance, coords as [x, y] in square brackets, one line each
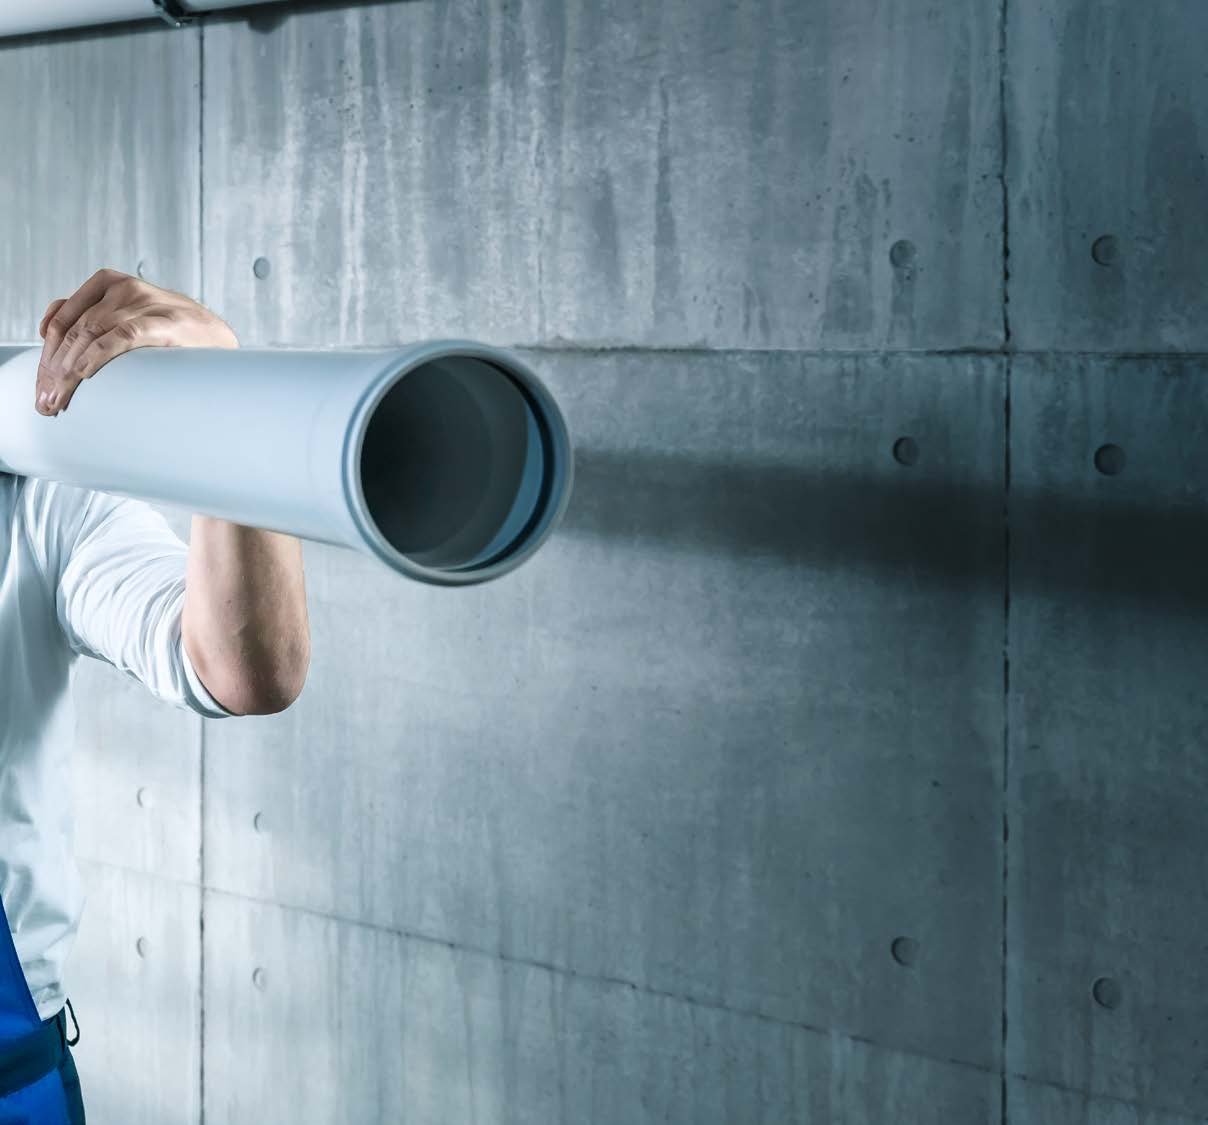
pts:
[23, 17]
[215, 5]
[26, 17]
[448, 461]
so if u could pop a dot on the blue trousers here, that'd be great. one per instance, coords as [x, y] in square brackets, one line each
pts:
[67, 1070]
[38, 1080]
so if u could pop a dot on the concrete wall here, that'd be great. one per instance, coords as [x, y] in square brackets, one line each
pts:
[809, 773]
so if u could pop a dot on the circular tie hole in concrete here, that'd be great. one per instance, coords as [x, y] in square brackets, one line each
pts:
[1109, 460]
[901, 254]
[906, 451]
[1106, 250]
[1106, 993]
[905, 951]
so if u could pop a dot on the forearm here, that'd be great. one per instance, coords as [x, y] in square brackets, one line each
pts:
[245, 623]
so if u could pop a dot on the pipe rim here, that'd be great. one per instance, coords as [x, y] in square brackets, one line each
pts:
[556, 487]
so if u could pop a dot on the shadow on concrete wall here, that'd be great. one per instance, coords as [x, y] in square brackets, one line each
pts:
[266, 18]
[918, 531]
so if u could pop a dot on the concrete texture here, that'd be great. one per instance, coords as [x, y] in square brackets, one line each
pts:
[1035, 1104]
[807, 774]
[717, 796]
[1107, 172]
[138, 1005]
[137, 776]
[477, 1044]
[729, 174]
[100, 140]
[1108, 717]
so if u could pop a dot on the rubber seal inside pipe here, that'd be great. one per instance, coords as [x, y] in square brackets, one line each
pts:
[453, 465]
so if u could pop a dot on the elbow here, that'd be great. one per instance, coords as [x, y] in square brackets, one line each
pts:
[267, 688]
[272, 704]
[278, 689]
[268, 700]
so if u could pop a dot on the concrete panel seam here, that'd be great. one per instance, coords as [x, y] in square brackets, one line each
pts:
[842, 353]
[1008, 1075]
[695, 1002]
[600, 979]
[1146, 1107]
[1004, 1108]
[1006, 212]
[1006, 719]
[819, 353]
[201, 923]
[201, 156]
[201, 756]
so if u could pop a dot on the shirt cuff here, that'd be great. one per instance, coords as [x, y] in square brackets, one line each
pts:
[202, 701]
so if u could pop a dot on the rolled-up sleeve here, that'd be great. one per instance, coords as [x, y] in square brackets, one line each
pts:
[117, 570]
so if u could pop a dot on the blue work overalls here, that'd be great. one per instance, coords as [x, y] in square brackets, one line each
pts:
[38, 1081]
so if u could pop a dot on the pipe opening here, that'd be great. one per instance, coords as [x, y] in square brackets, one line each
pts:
[454, 464]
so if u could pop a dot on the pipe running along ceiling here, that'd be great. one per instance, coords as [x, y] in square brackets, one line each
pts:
[28, 17]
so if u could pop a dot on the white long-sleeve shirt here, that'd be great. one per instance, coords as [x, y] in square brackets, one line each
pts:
[87, 573]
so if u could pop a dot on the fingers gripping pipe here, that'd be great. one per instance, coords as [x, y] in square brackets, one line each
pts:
[448, 461]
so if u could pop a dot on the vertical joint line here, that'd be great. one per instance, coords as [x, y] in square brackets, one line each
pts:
[201, 738]
[1006, 212]
[1004, 982]
[1006, 711]
[201, 923]
[201, 157]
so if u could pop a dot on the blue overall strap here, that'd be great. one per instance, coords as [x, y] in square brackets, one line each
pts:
[35, 1096]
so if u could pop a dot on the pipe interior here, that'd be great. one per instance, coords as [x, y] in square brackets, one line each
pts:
[452, 464]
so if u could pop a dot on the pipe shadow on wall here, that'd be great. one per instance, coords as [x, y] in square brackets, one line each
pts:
[268, 17]
[919, 530]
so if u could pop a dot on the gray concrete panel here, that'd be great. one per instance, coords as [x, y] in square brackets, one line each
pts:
[736, 729]
[138, 1006]
[371, 1027]
[729, 174]
[100, 143]
[1032, 1103]
[136, 776]
[1107, 174]
[1108, 897]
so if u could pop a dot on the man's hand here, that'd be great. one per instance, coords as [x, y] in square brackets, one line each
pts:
[109, 314]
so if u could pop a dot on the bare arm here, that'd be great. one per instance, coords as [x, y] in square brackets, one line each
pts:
[244, 622]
